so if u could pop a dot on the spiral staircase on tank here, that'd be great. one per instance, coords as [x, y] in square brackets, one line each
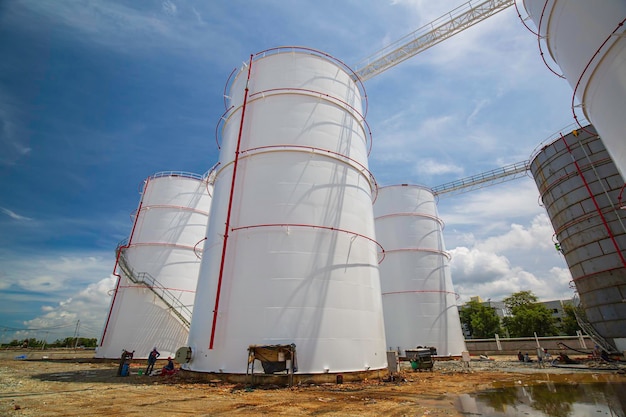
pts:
[181, 311]
[588, 328]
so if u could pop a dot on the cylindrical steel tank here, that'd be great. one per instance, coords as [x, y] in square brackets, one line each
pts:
[419, 302]
[580, 188]
[290, 256]
[158, 268]
[586, 39]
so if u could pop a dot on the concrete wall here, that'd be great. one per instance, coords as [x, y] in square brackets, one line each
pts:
[529, 344]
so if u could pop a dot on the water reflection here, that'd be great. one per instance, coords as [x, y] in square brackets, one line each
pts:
[548, 398]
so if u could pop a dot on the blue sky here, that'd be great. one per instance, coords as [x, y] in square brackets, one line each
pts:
[97, 95]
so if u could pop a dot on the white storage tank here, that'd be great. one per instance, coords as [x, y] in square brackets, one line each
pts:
[419, 301]
[290, 256]
[580, 188]
[157, 268]
[586, 39]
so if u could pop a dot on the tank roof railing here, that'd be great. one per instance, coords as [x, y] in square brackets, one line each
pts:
[183, 174]
[570, 128]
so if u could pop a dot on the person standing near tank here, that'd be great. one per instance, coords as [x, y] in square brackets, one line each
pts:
[152, 358]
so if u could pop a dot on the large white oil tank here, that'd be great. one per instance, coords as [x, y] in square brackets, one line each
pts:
[586, 39]
[419, 301]
[157, 268]
[580, 188]
[290, 256]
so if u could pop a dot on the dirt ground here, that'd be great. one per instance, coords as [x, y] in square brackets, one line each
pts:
[70, 383]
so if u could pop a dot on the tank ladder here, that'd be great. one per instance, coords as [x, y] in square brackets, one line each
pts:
[174, 304]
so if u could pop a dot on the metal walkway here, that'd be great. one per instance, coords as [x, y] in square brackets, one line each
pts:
[484, 179]
[423, 38]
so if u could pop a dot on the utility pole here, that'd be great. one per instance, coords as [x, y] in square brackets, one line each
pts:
[76, 334]
[45, 340]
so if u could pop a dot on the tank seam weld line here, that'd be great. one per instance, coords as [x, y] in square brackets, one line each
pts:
[182, 208]
[168, 244]
[548, 187]
[435, 251]
[324, 96]
[357, 80]
[234, 229]
[360, 168]
[410, 214]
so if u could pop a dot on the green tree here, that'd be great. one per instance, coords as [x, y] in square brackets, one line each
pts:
[569, 325]
[527, 316]
[481, 320]
[32, 342]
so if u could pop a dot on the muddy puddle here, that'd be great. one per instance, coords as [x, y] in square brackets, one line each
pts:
[550, 395]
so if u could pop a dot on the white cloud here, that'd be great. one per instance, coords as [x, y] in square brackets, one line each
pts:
[536, 236]
[136, 27]
[428, 167]
[14, 215]
[515, 260]
[493, 207]
[89, 305]
[169, 8]
[42, 283]
[491, 276]
[480, 104]
[198, 16]
[54, 274]
[13, 137]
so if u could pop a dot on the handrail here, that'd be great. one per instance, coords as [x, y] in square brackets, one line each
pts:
[505, 173]
[587, 327]
[183, 174]
[431, 34]
[159, 290]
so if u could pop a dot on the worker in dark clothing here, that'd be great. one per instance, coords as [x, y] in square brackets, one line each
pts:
[169, 368]
[152, 358]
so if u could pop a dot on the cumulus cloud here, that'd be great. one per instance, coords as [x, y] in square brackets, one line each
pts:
[88, 305]
[513, 261]
[63, 289]
[492, 207]
[519, 237]
[53, 273]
